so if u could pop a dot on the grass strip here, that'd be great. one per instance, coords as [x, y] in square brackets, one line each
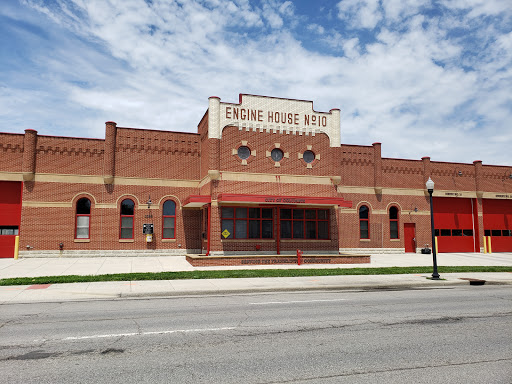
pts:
[241, 273]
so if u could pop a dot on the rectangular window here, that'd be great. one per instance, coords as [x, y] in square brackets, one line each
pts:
[298, 214]
[254, 229]
[364, 222]
[393, 223]
[126, 227]
[496, 232]
[298, 229]
[267, 213]
[241, 213]
[169, 224]
[393, 227]
[246, 223]
[323, 230]
[286, 229]
[169, 220]
[310, 229]
[436, 232]
[254, 213]
[507, 232]
[267, 229]
[9, 231]
[228, 212]
[82, 227]
[241, 228]
[454, 232]
[363, 229]
[286, 214]
[311, 224]
[227, 229]
[487, 232]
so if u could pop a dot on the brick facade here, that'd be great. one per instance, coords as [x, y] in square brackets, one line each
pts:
[137, 164]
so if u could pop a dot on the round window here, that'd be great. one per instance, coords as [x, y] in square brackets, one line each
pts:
[308, 156]
[244, 152]
[276, 154]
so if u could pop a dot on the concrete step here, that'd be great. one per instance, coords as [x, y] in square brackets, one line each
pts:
[106, 253]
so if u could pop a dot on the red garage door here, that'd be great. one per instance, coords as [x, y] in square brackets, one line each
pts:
[498, 224]
[455, 226]
[10, 216]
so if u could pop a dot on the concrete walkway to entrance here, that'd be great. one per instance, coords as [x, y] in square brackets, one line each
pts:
[32, 267]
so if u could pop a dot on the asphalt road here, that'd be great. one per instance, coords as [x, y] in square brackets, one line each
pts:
[443, 335]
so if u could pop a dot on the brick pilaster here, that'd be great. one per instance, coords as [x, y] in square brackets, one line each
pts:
[377, 167]
[29, 154]
[110, 152]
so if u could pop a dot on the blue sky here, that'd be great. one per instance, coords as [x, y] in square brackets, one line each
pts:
[425, 78]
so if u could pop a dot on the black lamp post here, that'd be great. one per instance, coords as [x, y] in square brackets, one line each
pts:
[430, 189]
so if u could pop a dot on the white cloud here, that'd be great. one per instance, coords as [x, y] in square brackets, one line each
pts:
[318, 29]
[478, 8]
[413, 85]
[396, 10]
[351, 48]
[360, 13]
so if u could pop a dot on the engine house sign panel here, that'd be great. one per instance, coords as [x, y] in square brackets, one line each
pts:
[263, 114]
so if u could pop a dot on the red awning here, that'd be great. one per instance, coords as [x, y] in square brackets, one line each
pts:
[283, 200]
[196, 201]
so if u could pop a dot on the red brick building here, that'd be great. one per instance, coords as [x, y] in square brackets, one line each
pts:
[264, 175]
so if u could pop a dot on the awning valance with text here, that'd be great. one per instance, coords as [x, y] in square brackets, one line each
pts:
[283, 200]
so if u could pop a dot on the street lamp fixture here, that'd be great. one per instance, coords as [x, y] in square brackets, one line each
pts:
[430, 189]
[149, 202]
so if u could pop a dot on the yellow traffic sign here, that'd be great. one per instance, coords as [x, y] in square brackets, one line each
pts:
[226, 233]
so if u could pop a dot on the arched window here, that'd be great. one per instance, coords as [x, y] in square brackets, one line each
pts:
[364, 222]
[393, 223]
[169, 220]
[126, 222]
[83, 218]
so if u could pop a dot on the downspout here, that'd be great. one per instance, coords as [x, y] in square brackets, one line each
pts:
[473, 222]
[209, 228]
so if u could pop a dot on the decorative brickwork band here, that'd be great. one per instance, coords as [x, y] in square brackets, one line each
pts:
[29, 154]
[110, 152]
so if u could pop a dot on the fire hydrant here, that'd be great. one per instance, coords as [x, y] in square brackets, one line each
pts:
[299, 257]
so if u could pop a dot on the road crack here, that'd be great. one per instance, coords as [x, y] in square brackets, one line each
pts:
[377, 371]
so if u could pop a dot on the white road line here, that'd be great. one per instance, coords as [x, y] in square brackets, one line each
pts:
[293, 301]
[71, 338]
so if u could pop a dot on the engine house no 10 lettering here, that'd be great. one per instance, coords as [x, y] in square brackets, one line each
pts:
[273, 117]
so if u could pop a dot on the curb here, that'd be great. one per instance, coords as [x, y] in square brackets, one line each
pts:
[352, 287]
[64, 292]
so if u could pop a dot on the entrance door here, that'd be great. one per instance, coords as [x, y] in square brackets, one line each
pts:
[410, 237]
[498, 224]
[10, 216]
[6, 244]
[454, 222]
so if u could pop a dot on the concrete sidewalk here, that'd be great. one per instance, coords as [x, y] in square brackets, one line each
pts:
[60, 266]
[108, 290]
